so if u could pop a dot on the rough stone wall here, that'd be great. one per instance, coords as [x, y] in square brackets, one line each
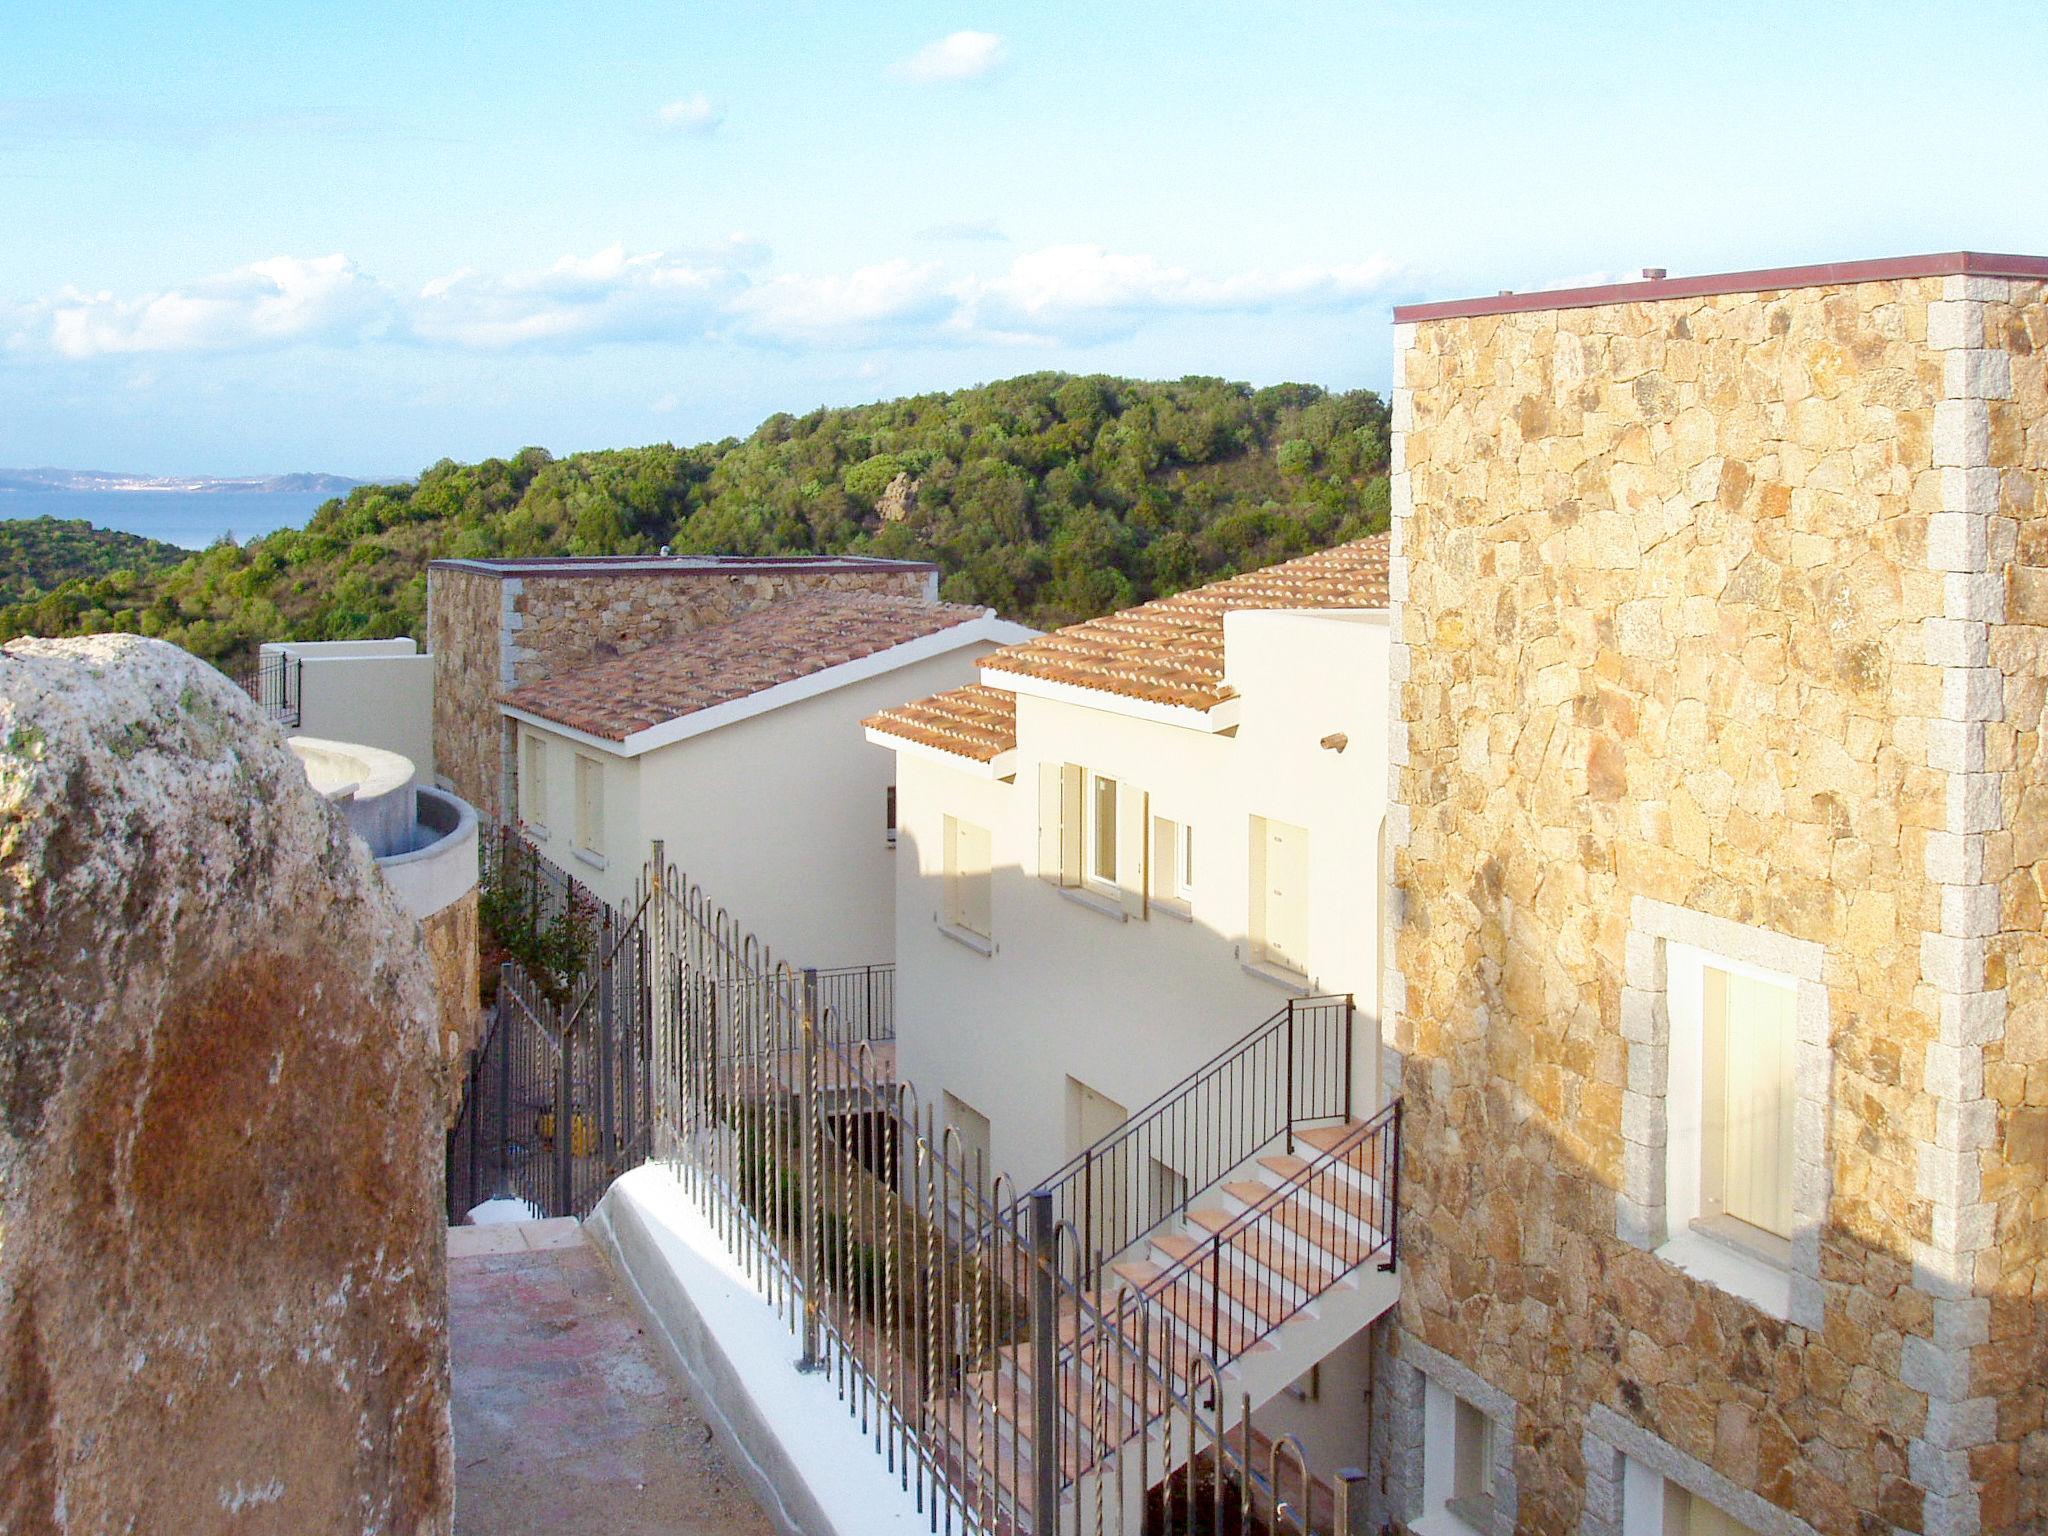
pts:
[573, 621]
[1670, 583]
[222, 1286]
[450, 937]
[555, 624]
[1998, 369]
[465, 629]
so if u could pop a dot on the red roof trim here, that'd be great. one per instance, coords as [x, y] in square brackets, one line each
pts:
[1946, 264]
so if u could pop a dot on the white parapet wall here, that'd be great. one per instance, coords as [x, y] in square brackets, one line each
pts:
[797, 1445]
[379, 693]
[442, 869]
[371, 787]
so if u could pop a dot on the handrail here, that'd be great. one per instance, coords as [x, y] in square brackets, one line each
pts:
[1294, 1066]
[1383, 1134]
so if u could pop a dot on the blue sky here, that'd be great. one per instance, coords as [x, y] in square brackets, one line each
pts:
[249, 237]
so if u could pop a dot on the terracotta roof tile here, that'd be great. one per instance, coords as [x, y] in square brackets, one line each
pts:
[1168, 651]
[780, 643]
[976, 722]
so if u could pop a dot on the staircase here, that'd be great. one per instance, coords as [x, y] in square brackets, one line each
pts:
[1171, 1331]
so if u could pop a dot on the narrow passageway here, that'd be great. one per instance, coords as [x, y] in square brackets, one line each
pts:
[567, 1418]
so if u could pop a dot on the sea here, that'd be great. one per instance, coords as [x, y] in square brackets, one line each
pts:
[190, 519]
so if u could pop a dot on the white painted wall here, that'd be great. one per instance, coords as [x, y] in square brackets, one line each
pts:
[1130, 1006]
[780, 817]
[379, 693]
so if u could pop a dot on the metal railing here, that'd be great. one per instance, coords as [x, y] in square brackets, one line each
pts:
[861, 999]
[276, 683]
[1293, 1069]
[953, 1314]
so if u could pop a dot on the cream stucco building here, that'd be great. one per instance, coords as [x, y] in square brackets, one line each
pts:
[737, 745]
[1127, 848]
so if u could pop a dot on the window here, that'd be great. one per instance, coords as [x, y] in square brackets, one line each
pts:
[1092, 836]
[971, 1129]
[968, 878]
[1173, 861]
[589, 804]
[1732, 1099]
[534, 783]
[1687, 1514]
[1280, 895]
[1472, 1466]
[1746, 1119]
[889, 815]
[1462, 1459]
[1728, 1173]
[1101, 837]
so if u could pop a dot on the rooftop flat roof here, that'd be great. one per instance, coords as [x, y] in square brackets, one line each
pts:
[1650, 290]
[613, 565]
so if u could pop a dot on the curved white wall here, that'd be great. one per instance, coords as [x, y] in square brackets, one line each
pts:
[443, 867]
[372, 787]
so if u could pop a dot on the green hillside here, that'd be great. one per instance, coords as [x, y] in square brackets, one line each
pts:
[39, 553]
[1049, 497]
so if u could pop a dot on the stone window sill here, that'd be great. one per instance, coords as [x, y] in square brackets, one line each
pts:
[1707, 1253]
[537, 831]
[1095, 903]
[1174, 907]
[968, 939]
[1277, 976]
[594, 860]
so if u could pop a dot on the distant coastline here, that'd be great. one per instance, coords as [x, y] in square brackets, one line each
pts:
[112, 482]
[191, 511]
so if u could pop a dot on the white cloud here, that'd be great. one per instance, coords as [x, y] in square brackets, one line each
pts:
[957, 56]
[1087, 293]
[1075, 295]
[580, 300]
[272, 303]
[692, 114]
[892, 298]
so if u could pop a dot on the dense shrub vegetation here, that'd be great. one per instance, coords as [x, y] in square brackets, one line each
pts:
[1049, 497]
[39, 553]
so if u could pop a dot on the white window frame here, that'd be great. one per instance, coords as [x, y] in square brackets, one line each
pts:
[957, 920]
[973, 1135]
[1630, 1474]
[1661, 1152]
[1179, 894]
[533, 782]
[590, 828]
[1295, 968]
[1428, 1385]
[1111, 883]
[1695, 1136]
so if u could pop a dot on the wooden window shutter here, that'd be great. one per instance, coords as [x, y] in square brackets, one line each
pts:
[1285, 870]
[1051, 807]
[1133, 822]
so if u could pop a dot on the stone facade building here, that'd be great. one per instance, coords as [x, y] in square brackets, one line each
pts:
[495, 625]
[1720, 843]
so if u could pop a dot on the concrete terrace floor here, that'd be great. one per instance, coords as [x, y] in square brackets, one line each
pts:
[567, 1418]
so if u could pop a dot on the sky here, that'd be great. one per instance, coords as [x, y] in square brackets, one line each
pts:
[251, 238]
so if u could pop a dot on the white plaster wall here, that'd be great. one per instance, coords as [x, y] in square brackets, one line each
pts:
[379, 699]
[781, 818]
[624, 850]
[1129, 1007]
